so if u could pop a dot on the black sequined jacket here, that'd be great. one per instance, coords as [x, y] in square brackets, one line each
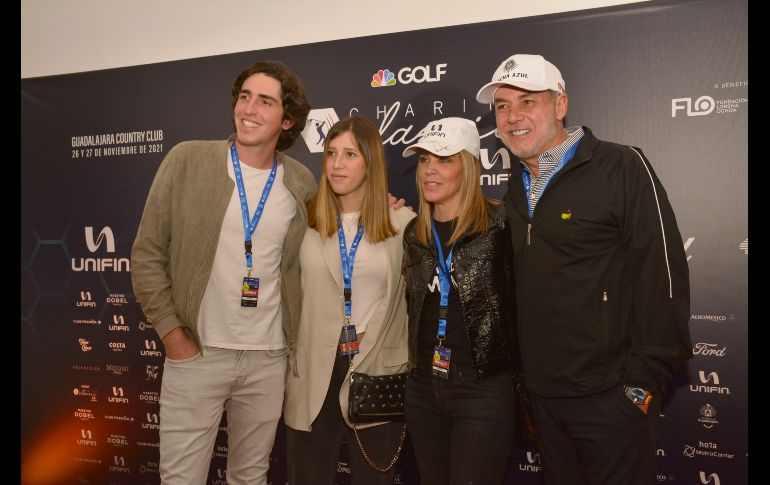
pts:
[484, 274]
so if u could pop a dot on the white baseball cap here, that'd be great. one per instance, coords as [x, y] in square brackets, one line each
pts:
[448, 136]
[526, 71]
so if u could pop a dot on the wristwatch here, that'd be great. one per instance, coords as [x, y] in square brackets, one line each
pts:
[637, 395]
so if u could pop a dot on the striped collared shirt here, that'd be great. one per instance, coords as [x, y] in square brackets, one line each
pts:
[547, 164]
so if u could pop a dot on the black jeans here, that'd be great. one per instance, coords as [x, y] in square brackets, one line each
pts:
[461, 428]
[600, 439]
[312, 455]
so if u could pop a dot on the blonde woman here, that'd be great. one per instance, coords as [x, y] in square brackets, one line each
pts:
[459, 398]
[352, 227]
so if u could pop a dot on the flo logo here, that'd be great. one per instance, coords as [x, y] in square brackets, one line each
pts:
[701, 107]
[105, 235]
[711, 479]
[319, 122]
[383, 78]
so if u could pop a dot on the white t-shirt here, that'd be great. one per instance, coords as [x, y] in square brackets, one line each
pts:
[222, 321]
[370, 272]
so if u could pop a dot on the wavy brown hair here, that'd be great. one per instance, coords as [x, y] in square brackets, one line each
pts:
[295, 105]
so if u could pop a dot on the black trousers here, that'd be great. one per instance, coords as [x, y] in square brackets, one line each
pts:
[600, 439]
[313, 455]
[461, 428]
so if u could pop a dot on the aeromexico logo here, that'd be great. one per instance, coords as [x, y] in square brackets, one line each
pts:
[101, 242]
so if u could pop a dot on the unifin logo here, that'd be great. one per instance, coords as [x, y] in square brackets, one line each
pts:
[85, 434]
[152, 422]
[117, 391]
[100, 264]
[702, 106]
[712, 378]
[501, 156]
[319, 122]
[150, 344]
[533, 463]
[744, 246]
[105, 234]
[86, 300]
[383, 78]
[533, 457]
[118, 319]
[119, 460]
[713, 478]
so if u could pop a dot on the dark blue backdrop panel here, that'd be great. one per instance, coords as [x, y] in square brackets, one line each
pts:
[669, 77]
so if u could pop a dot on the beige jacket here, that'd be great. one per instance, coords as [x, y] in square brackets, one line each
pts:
[383, 350]
[173, 253]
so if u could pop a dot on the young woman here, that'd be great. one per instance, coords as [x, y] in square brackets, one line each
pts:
[351, 226]
[459, 399]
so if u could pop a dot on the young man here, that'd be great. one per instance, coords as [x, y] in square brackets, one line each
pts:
[215, 268]
[602, 283]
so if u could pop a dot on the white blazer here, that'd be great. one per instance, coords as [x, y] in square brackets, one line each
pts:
[383, 350]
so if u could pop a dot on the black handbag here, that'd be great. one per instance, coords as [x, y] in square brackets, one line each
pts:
[375, 399]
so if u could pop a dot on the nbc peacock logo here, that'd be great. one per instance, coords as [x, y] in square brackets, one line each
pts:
[383, 78]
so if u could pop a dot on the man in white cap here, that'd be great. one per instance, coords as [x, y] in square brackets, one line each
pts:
[602, 284]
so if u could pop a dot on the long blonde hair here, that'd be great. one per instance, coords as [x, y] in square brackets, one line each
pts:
[375, 217]
[472, 211]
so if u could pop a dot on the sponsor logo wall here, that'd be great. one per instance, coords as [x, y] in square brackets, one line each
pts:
[671, 78]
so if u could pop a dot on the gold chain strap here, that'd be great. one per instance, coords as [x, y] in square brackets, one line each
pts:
[355, 431]
[369, 460]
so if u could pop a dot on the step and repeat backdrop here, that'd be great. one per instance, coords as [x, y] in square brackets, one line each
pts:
[669, 77]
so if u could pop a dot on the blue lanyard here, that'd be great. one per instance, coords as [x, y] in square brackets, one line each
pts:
[347, 263]
[444, 282]
[526, 178]
[249, 228]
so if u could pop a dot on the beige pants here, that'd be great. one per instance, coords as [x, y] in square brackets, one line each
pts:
[248, 384]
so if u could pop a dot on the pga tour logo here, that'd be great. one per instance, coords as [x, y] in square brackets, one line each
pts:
[319, 122]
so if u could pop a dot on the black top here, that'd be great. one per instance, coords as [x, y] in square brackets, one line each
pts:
[456, 338]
